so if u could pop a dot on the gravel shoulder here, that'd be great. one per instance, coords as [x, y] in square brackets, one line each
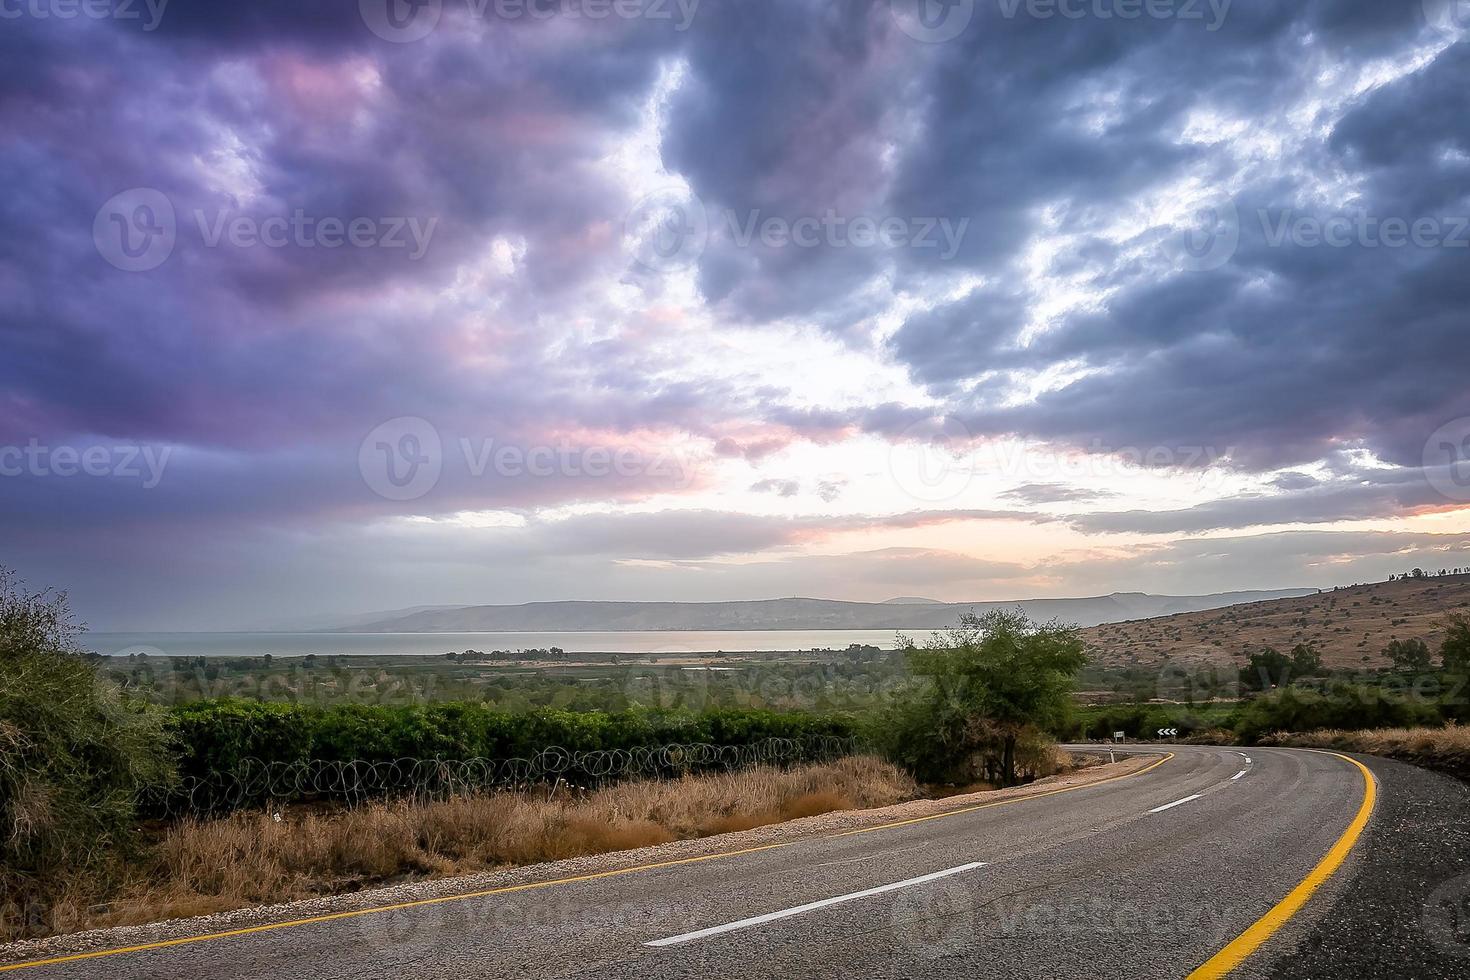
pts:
[806, 827]
[1403, 907]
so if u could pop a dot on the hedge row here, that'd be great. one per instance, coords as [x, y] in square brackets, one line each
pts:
[215, 736]
[1388, 701]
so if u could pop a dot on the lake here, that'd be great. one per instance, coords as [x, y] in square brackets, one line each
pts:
[438, 644]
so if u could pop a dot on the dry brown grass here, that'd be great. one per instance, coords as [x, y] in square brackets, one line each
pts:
[1211, 736]
[253, 858]
[1447, 748]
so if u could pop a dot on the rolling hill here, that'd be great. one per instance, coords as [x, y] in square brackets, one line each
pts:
[1350, 626]
[774, 614]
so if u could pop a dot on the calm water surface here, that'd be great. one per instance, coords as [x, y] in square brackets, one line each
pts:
[438, 644]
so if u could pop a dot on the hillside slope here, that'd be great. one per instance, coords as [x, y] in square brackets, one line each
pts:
[773, 614]
[1350, 626]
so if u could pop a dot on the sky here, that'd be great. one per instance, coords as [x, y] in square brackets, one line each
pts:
[314, 307]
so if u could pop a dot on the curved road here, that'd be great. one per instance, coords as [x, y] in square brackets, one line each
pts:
[1149, 875]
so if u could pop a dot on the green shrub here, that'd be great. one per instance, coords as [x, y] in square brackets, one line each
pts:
[1337, 704]
[991, 684]
[217, 736]
[1143, 721]
[74, 757]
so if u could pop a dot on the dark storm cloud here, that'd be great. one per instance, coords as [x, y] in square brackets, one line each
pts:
[492, 132]
[1402, 492]
[265, 367]
[781, 488]
[1287, 559]
[697, 534]
[1055, 493]
[1295, 481]
[467, 136]
[1288, 350]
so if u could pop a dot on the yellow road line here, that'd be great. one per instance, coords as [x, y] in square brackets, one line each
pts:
[1017, 799]
[272, 926]
[1266, 926]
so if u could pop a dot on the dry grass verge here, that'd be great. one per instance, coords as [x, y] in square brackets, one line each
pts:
[420, 888]
[1446, 749]
[246, 859]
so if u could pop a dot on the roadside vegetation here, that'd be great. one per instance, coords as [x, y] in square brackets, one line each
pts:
[143, 787]
[75, 755]
[87, 760]
[995, 685]
[1446, 749]
[262, 856]
[214, 736]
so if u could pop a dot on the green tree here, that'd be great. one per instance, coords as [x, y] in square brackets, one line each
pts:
[1306, 661]
[1454, 652]
[74, 757]
[993, 679]
[1409, 655]
[1265, 669]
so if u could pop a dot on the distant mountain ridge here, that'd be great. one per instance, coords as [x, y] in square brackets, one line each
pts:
[778, 614]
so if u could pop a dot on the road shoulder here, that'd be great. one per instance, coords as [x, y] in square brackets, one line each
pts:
[773, 835]
[1404, 910]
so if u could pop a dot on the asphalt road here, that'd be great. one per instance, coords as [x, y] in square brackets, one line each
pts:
[1102, 881]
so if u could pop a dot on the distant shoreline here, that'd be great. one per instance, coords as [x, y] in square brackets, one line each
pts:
[621, 643]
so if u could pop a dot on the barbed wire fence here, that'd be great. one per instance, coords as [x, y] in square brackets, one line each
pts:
[256, 783]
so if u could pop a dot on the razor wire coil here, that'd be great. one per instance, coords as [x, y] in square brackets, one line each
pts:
[255, 782]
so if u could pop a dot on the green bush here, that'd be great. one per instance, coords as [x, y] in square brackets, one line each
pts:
[216, 736]
[1337, 704]
[992, 686]
[1143, 721]
[75, 755]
